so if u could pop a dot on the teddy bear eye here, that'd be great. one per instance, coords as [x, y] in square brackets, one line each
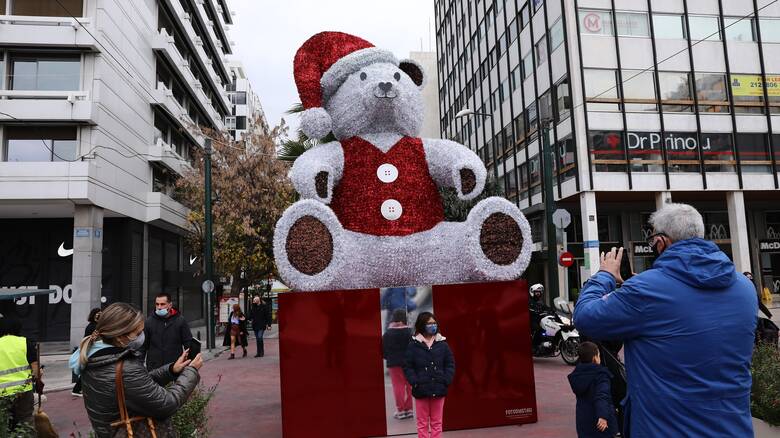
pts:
[397, 76]
[363, 76]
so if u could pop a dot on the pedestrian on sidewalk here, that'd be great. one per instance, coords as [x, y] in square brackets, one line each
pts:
[590, 382]
[429, 367]
[92, 319]
[394, 343]
[260, 314]
[761, 306]
[236, 333]
[18, 369]
[688, 326]
[116, 346]
[167, 333]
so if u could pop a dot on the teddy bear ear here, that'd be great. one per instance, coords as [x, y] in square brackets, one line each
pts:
[414, 70]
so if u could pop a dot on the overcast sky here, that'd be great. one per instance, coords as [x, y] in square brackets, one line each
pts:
[268, 33]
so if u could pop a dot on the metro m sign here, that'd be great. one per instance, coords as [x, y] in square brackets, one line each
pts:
[592, 22]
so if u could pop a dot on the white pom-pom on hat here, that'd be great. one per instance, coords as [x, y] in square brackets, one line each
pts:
[316, 122]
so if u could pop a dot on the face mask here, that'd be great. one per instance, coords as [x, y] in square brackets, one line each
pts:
[161, 312]
[137, 343]
[431, 328]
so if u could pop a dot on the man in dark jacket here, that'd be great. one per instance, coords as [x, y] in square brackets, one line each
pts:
[260, 314]
[688, 325]
[591, 384]
[167, 333]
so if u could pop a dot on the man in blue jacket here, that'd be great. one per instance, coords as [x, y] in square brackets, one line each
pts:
[688, 325]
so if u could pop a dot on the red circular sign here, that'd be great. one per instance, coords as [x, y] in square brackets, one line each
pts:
[566, 259]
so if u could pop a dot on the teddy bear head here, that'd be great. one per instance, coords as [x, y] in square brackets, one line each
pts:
[351, 88]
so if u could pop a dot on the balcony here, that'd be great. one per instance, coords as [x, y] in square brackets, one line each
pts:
[163, 97]
[164, 154]
[49, 32]
[163, 211]
[47, 106]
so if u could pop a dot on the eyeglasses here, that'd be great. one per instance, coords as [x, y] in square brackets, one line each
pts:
[651, 240]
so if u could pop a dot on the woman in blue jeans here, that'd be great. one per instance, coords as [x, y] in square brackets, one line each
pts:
[260, 314]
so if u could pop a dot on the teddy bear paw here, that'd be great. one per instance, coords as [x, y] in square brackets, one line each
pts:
[309, 245]
[501, 239]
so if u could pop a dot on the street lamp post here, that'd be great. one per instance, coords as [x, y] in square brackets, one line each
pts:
[549, 208]
[208, 258]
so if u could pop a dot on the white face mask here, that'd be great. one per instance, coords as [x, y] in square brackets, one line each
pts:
[137, 343]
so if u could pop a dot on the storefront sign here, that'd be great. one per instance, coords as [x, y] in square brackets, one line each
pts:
[769, 245]
[672, 142]
[752, 85]
[642, 249]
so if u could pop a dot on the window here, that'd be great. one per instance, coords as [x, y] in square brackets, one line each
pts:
[562, 100]
[601, 90]
[639, 90]
[770, 30]
[45, 72]
[528, 65]
[511, 33]
[525, 17]
[704, 28]
[241, 122]
[748, 93]
[520, 127]
[676, 94]
[545, 107]
[53, 143]
[607, 151]
[595, 22]
[538, 4]
[772, 84]
[534, 166]
[556, 35]
[532, 116]
[739, 29]
[645, 151]
[632, 24]
[163, 182]
[682, 151]
[753, 153]
[514, 78]
[541, 51]
[718, 151]
[504, 90]
[238, 98]
[565, 158]
[47, 8]
[522, 173]
[230, 122]
[668, 26]
[711, 92]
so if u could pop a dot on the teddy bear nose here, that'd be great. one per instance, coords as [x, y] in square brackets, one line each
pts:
[385, 86]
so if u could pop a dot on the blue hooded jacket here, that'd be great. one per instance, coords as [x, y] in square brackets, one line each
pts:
[688, 326]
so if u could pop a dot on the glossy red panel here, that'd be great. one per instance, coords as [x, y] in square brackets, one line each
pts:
[330, 353]
[487, 327]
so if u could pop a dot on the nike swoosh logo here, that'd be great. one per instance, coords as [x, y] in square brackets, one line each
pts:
[192, 259]
[62, 252]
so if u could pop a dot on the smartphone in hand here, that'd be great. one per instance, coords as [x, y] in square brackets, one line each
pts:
[625, 265]
[194, 346]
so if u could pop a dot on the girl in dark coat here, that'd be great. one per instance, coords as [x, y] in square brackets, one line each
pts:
[429, 367]
[394, 343]
[236, 332]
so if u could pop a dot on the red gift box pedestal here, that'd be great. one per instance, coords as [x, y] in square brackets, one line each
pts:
[331, 366]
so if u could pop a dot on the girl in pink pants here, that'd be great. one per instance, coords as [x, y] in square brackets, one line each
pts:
[429, 367]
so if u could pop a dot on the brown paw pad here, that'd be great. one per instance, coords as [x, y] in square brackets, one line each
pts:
[468, 181]
[321, 184]
[500, 239]
[309, 245]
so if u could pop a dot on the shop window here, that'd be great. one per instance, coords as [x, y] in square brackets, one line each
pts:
[601, 89]
[562, 100]
[607, 151]
[639, 90]
[748, 93]
[770, 30]
[711, 92]
[668, 26]
[47, 8]
[632, 24]
[776, 147]
[39, 143]
[645, 151]
[739, 29]
[753, 153]
[676, 94]
[718, 151]
[45, 72]
[716, 226]
[556, 35]
[528, 65]
[704, 28]
[682, 151]
[595, 22]
[541, 51]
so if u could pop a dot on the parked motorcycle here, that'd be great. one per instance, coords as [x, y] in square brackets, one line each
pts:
[555, 333]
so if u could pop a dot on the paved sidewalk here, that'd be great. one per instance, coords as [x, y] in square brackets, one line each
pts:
[247, 402]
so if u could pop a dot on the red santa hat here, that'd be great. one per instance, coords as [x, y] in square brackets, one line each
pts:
[321, 65]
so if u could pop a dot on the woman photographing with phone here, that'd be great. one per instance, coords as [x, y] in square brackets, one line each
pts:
[119, 393]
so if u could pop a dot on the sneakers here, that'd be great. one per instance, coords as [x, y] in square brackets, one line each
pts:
[76, 394]
[402, 415]
[408, 414]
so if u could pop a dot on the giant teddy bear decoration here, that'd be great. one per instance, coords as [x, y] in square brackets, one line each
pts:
[371, 214]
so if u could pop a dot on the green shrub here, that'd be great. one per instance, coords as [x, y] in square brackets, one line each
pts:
[191, 421]
[765, 393]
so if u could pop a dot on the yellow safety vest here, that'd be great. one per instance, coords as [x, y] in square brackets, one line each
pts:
[15, 371]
